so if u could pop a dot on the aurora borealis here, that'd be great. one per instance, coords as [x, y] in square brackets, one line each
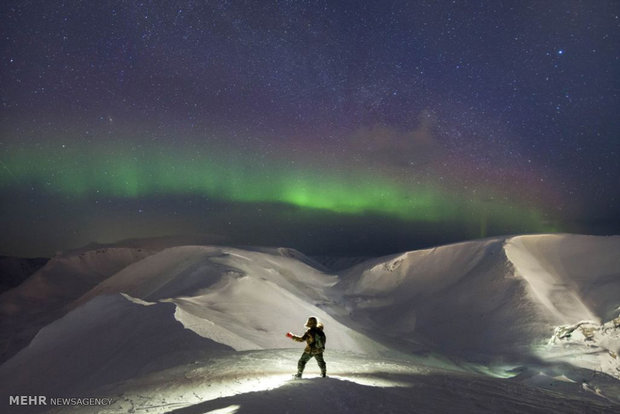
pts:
[89, 172]
[332, 127]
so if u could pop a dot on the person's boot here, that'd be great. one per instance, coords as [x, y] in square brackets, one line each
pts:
[323, 374]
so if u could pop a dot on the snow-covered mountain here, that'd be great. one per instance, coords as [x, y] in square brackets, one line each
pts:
[193, 328]
[43, 296]
[490, 299]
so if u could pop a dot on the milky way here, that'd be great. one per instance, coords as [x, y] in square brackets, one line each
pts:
[358, 128]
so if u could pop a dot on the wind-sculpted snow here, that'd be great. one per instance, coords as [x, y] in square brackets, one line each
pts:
[576, 277]
[492, 299]
[577, 280]
[109, 339]
[244, 299]
[587, 344]
[43, 297]
[190, 270]
[67, 276]
[193, 328]
[461, 299]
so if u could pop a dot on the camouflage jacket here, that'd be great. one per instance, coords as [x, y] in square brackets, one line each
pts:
[308, 337]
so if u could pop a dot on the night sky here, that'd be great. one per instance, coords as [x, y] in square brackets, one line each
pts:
[340, 127]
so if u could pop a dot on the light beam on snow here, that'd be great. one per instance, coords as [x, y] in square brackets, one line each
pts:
[209, 389]
[241, 374]
[370, 381]
[231, 409]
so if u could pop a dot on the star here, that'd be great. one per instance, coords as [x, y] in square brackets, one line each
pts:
[420, 115]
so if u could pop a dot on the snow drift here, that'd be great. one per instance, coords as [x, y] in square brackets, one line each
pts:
[498, 298]
[542, 308]
[236, 297]
[111, 338]
[42, 298]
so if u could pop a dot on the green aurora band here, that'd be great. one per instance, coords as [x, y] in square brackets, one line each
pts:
[120, 171]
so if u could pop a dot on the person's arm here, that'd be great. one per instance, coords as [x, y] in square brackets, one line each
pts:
[297, 338]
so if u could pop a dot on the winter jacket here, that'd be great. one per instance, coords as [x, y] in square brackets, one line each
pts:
[308, 336]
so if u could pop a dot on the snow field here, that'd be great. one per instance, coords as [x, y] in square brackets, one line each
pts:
[521, 324]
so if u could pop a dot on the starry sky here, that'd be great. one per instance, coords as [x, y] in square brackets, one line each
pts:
[334, 127]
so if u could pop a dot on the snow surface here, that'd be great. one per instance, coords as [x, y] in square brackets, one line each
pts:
[42, 298]
[520, 324]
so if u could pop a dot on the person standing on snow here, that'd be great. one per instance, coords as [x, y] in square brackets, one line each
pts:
[315, 345]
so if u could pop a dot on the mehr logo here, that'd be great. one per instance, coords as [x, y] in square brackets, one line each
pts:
[27, 400]
[43, 400]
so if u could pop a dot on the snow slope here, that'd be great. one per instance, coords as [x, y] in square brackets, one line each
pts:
[111, 338]
[574, 277]
[492, 299]
[244, 299]
[259, 382]
[43, 296]
[521, 324]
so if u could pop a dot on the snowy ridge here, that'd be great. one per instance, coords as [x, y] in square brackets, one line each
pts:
[580, 289]
[42, 298]
[209, 322]
[579, 271]
[490, 299]
[67, 276]
[233, 296]
[459, 298]
[111, 338]
[186, 270]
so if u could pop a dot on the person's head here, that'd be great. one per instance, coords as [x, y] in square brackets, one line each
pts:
[311, 323]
